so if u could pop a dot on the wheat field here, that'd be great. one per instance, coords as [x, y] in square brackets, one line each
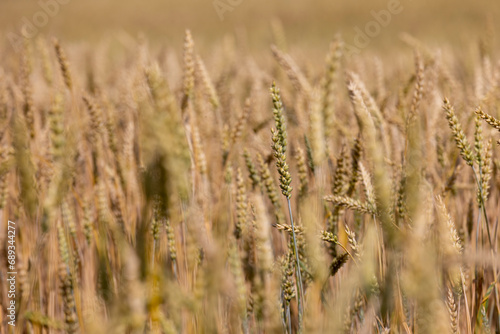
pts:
[147, 188]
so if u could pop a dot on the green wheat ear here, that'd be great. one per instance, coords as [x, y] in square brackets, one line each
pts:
[279, 118]
[279, 148]
[279, 138]
[281, 164]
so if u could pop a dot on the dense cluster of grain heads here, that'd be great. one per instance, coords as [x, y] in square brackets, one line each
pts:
[146, 188]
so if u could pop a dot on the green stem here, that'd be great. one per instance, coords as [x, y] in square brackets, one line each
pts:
[153, 255]
[483, 207]
[288, 318]
[299, 275]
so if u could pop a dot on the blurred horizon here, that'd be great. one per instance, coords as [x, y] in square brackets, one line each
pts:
[305, 24]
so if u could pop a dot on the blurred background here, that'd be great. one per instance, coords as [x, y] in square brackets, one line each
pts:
[309, 24]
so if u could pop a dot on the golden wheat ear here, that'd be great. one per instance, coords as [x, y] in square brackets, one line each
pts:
[458, 134]
[189, 67]
[63, 64]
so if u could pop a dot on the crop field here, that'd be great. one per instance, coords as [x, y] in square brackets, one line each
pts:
[249, 168]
